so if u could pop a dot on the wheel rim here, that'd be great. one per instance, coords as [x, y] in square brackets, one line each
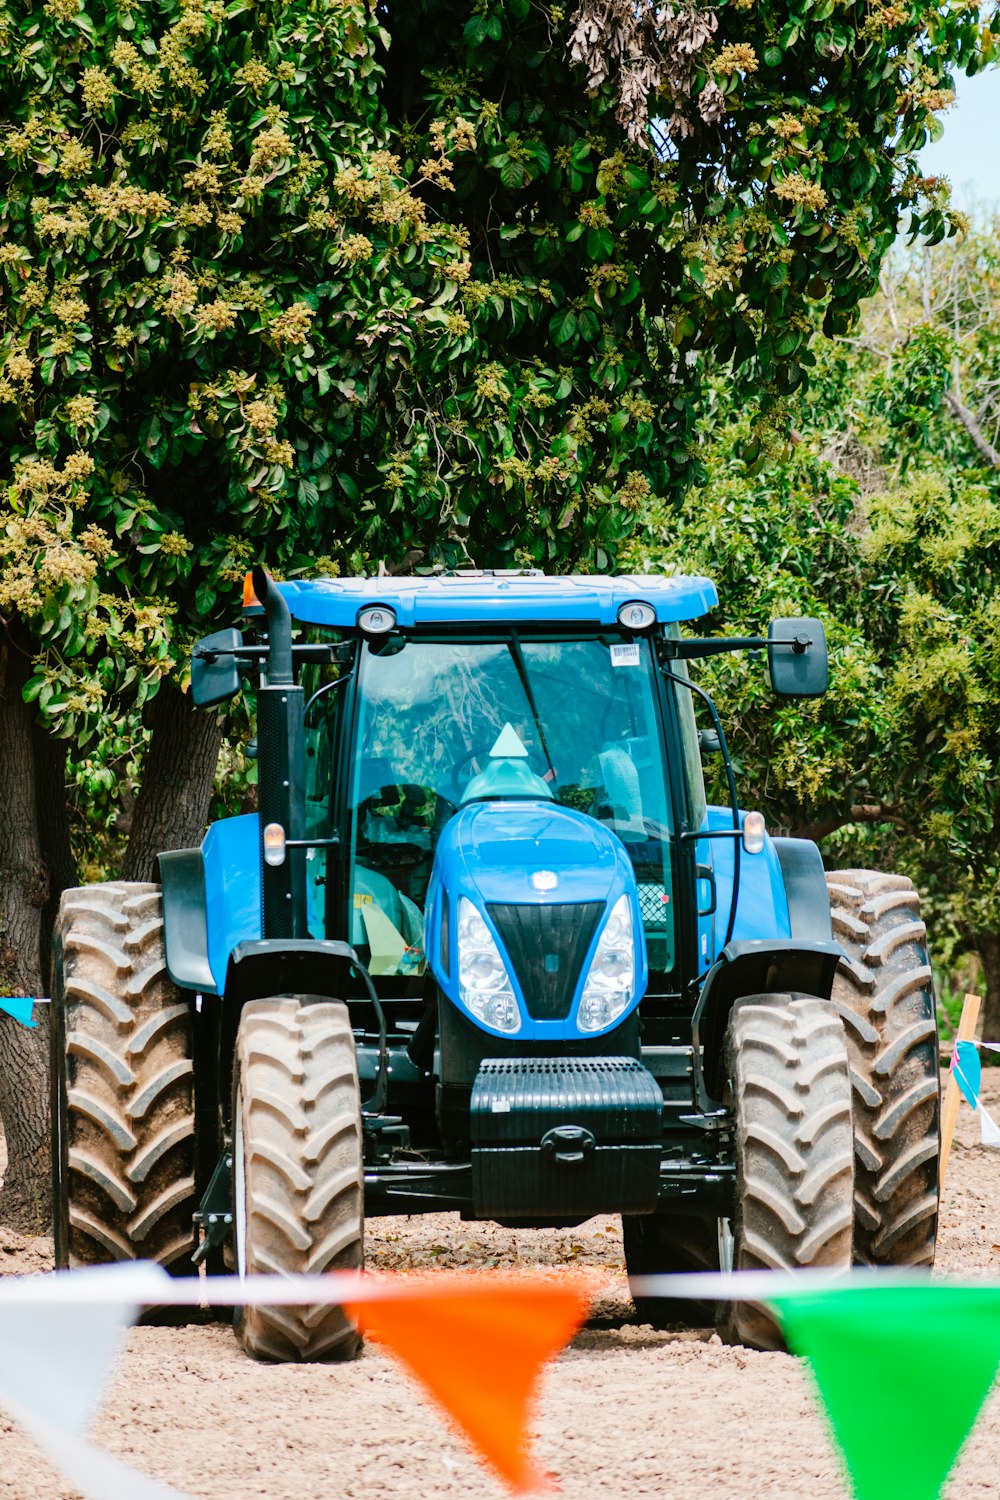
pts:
[725, 1244]
[239, 1189]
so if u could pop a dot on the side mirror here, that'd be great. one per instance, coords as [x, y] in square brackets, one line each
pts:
[709, 742]
[215, 672]
[797, 658]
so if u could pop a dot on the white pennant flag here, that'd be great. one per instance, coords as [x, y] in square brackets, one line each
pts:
[989, 1130]
[56, 1355]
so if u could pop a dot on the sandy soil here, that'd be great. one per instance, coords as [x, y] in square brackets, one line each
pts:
[626, 1411]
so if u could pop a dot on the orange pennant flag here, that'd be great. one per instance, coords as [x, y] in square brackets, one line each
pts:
[477, 1343]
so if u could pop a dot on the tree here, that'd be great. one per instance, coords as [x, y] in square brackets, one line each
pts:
[407, 287]
[879, 520]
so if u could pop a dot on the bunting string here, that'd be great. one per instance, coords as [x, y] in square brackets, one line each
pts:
[478, 1344]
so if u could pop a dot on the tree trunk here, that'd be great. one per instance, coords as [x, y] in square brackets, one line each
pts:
[25, 1200]
[53, 833]
[171, 809]
[987, 945]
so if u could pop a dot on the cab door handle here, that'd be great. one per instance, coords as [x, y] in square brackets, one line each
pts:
[707, 874]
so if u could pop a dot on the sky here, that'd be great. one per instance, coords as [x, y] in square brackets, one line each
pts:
[969, 151]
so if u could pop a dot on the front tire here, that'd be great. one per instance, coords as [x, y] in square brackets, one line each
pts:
[791, 1088]
[883, 991]
[123, 1132]
[297, 1169]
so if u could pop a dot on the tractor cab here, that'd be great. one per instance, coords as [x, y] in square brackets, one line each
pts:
[432, 727]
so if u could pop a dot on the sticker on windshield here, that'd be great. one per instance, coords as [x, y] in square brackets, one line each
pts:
[625, 655]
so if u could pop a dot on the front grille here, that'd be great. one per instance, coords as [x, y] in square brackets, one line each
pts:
[547, 946]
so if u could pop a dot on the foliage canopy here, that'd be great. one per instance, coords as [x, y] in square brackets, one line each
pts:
[327, 286]
[884, 519]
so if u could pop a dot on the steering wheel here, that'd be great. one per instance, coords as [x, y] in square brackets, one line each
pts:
[462, 771]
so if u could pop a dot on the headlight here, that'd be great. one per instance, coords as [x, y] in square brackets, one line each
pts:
[610, 984]
[484, 985]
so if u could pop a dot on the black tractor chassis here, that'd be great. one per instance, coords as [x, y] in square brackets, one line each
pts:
[684, 1187]
[630, 1142]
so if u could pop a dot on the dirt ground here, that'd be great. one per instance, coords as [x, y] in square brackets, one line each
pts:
[625, 1411]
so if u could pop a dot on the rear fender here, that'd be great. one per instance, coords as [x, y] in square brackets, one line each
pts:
[752, 967]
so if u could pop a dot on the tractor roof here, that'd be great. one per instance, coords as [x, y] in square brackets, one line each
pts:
[498, 598]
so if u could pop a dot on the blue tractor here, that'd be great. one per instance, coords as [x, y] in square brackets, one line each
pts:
[486, 948]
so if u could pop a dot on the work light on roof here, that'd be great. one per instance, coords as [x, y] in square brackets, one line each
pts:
[376, 619]
[637, 615]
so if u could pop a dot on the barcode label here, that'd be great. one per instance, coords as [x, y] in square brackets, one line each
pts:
[625, 655]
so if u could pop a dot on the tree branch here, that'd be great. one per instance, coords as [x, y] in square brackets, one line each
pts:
[967, 418]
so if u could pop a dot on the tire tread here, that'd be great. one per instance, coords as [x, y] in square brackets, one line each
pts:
[123, 1084]
[297, 1070]
[883, 989]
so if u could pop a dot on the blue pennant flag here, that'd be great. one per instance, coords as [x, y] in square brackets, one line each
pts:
[20, 1007]
[967, 1071]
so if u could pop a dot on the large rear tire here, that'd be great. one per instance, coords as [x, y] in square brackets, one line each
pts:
[661, 1244]
[791, 1089]
[123, 1130]
[883, 991]
[297, 1169]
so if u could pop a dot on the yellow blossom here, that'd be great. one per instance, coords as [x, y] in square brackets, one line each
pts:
[79, 465]
[96, 541]
[206, 178]
[174, 544]
[262, 416]
[81, 411]
[218, 141]
[75, 159]
[19, 366]
[68, 307]
[98, 90]
[735, 57]
[799, 191]
[279, 452]
[218, 315]
[254, 75]
[292, 326]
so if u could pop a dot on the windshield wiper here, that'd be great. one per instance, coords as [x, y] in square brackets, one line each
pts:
[517, 654]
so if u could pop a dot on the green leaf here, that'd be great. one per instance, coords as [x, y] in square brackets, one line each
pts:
[562, 326]
[787, 343]
[600, 244]
[513, 174]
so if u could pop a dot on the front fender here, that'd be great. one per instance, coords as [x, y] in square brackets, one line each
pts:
[752, 967]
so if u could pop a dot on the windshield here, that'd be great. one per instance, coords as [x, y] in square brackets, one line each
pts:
[430, 712]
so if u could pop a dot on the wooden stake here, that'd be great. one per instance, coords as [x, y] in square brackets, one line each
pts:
[949, 1114]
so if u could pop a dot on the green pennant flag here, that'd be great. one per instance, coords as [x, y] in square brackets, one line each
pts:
[902, 1372]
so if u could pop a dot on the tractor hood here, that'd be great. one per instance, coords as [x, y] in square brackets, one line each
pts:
[540, 889]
